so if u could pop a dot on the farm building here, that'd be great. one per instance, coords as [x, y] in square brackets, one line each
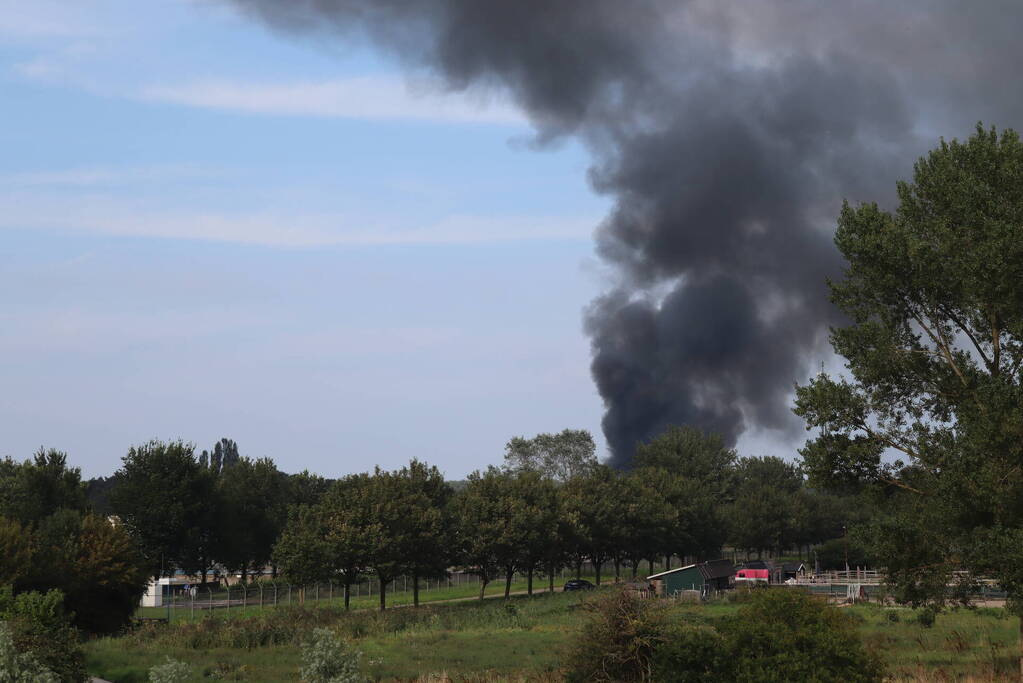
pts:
[702, 576]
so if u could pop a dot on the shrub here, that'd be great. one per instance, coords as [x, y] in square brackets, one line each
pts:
[20, 667]
[691, 653]
[618, 639]
[892, 616]
[327, 659]
[171, 671]
[926, 617]
[39, 626]
[787, 635]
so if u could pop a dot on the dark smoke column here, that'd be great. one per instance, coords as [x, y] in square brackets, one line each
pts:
[727, 135]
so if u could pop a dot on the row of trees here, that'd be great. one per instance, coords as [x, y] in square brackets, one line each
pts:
[552, 506]
[198, 512]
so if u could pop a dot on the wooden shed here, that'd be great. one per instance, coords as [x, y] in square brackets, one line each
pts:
[704, 577]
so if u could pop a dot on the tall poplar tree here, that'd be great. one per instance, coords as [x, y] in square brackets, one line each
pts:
[930, 414]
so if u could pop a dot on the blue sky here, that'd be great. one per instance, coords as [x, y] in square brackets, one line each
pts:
[208, 230]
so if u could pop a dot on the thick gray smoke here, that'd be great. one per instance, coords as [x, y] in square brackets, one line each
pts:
[727, 134]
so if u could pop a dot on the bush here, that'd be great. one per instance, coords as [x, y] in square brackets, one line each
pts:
[690, 654]
[618, 639]
[892, 616]
[39, 626]
[20, 667]
[171, 671]
[787, 635]
[327, 659]
[926, 617]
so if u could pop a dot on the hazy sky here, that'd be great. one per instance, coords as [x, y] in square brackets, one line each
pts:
[207, 230]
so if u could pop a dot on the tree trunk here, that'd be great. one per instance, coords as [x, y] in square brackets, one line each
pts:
[550, 577]
[483, 586]
[508, 574]
[579, 569]
[348, 595]
[618, 570]
[650, 566]
[415, 589]
[596, 569]
[383, 594]
[529, 581]
[245, 575]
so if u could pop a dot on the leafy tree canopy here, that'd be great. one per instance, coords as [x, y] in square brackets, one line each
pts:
[561, 456]
[933, 295]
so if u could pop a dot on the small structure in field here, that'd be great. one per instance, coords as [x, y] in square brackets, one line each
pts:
[704, 577]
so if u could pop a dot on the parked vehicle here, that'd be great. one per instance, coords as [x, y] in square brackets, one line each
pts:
[578, 585]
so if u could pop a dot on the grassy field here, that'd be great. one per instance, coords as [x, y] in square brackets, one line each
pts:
[523, 639]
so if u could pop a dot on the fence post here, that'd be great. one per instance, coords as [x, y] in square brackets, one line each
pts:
[275, 593]
[260, 595]
[228, 599]
[245, 595]
[210, 591]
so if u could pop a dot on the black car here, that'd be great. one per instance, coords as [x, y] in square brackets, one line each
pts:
[578, 585]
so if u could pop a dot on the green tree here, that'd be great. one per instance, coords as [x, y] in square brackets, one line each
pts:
[95, 565]
[560, 457]
[303, 552]
[763, 512]
[592, 504]
[15, 552]
[251, 496]
[484, 535]
[168, 503]
[536, 520]
[36, 488]
[350, 532]
[426, 533]
[224, 456]
[933, 295]
[688, 452]
[405, 510]
[650, 521]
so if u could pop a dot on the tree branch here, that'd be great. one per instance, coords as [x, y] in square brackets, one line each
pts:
[944, 348]
[991, 366]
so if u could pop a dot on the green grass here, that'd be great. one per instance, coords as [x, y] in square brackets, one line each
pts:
[522, 639]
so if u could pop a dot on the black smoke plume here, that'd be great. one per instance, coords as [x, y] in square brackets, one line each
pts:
[727, 134]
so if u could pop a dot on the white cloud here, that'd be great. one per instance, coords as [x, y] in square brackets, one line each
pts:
[367, 97]
[109, 216]
[43, 19]
[99, 176]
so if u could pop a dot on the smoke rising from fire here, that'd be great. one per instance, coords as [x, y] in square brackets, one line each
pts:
[727, 134]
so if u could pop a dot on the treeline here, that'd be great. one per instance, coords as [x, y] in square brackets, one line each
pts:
[552, 506]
